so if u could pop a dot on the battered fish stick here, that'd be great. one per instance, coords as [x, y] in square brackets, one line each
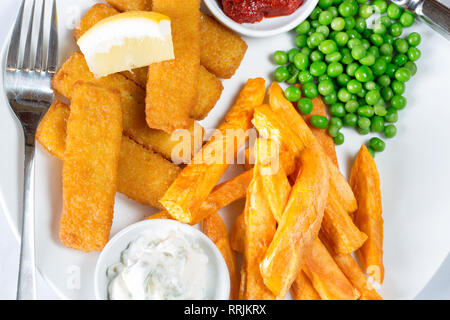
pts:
[142, 175]
[222, 50]
[133, 107]
[172, 86]
[210, 87]
[94, 135]
[198, 178]
[300, 224]
[131, 5]
[214, 227]
[365, 182]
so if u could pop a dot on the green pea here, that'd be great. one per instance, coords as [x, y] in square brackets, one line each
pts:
[372, 97]
[413, 54]
[385, 20]
[337, 110]
[315, 39]
[400, 60]
[293, 94]
[365, 111]
[363, 131]
[387, 93]
[391, 69]
[353, 34]
[293, 75]
[401, 45]
[362, 93]
[334, 69]
[365, 11]
[350, 120]
[380, 110]
[300, 41]
[388, 59]
[346, 9]
[411, 66]
[396, 29]
[336, 121]
[306, 51]
[358, 52]
[371, 151]
[303, 28]
[339, 139]
[351, 106]
[324, 4]
[281, 74]
[354, 86]
[351, 69]
[390, 131]
[386, 49]
[352, 43]
[334, 11]
[280, 57]
[315, 13]
[325, 87]
[377, 124]
[310, 90]
[304, 77]
[323, 30]
[391, 115]
[320, 122]
[341, 38]
[360, 25]
[342, 79]
[316, 55]
[327, 46]
[364, 123]
[398, 102]
[344, 95]
[305, 105]
[365, 43]
[377, 144]
[323, 77]
[370, 85]
[315, 24]
[398, 87]
[349, 23]
[368, 60]
[363, 74]
[376, 39]
[402, 74]
[301, 61]
[384, 80]
[387, 38]
[414, 39]
[318, 68]
[333, 131]
[338, 24]
[380, 6]
[291, 54]
[330, 98]
[407, 19]
[393, 11]
[325, 18]
[374, 51]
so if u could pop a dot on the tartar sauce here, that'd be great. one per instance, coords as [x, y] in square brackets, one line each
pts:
[159, 267]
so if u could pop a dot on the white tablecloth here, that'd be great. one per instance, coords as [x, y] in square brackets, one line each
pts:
[438, 288]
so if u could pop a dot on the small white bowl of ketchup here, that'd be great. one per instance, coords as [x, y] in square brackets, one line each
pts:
[268, 26]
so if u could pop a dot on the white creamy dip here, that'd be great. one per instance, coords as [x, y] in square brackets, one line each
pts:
[167, 266]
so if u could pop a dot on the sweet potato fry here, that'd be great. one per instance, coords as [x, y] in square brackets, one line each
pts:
[131, 5]
[94, 135]
[172, 86]
[365, 182]
[292, 118]
[142, 175]
[302, 288]
[259, 230]
[327, 278]
[198, 178]
[222, 50]
[300, 223]
[133, 107]
[237, 234]
[216, 230]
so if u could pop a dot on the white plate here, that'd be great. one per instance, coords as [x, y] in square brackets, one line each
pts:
[414, 169]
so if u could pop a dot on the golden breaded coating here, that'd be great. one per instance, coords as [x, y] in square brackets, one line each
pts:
[222, 50]
[131, 5]
[172, 87]
[91, 158]
[51, 133]
[97, 13]
[142, 175]
[209, 91]
[76, 69]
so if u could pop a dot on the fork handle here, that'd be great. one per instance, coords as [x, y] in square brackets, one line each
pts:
[26, 287]
[434, 13]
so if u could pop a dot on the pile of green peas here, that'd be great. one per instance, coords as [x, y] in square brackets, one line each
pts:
[360, 71]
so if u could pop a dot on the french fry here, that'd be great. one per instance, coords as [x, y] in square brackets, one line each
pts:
[292, 118]
[259, 230]
[172, 86]
[216, 230]
[131, 5]
[237, 234]
[302, 288]
[94, 135]
[222, 50]
[142, 175]
[300, 223]
[210, 87]
[325, 275]
[133, 107]
[365, 182]
[198, 178]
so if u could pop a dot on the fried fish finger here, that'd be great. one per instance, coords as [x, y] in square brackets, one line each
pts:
[94, 135]
[131, 5]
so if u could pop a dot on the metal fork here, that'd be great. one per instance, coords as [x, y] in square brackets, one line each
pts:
[27, 87]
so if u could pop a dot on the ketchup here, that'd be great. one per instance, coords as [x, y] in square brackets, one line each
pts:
[251, 11]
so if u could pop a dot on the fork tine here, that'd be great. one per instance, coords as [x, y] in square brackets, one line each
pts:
[27, 52]
[14, 46]
[40, 43]
[52, 59]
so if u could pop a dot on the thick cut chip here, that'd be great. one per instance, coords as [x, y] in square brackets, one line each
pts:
[142, 175]
[365, 182]
[198, 178]
[302, 288]
[300, 223]
[214, 227]
[222, 50]
[237, 234]
[94, 135]
[131, 5]
[172, 87]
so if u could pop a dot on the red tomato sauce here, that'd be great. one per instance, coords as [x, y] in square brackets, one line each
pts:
[251, 11]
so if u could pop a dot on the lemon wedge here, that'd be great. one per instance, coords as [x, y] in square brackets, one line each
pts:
[126, 41]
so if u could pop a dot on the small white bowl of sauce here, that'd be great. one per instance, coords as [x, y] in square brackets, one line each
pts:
[161, 260]
[266, 27]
